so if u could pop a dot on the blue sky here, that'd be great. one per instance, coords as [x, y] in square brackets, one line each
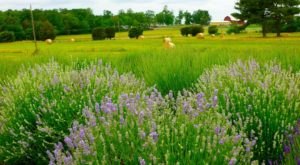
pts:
[217, 8]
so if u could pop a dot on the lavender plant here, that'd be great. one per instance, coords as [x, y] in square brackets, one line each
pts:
[291, 149]
[262, 101]
[151, 129]
[38, 106]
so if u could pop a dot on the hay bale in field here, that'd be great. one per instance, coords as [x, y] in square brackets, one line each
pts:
[168, 43]
[72, 40]
[141, 37]
[200, 36]
[48, 41]
[167, 39]
[213, 35]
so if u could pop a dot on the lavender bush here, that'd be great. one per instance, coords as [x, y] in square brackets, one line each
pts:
[291, 147]
[262, 101]
[151, 129]
[38, 106]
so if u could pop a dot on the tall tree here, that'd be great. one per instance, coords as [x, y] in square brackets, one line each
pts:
[282, 12]
[179, 17]
[165, 17]
[188, 18]
[201, 17]
[266, 12]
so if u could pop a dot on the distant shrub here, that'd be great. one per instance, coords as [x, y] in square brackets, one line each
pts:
[185, 31]
[16, 29]
[98, 33]
[196, 29]
[135, 32]
[39, 105]
[262, 101]
[7, 36]
[110, 32]
[213, 29]
[234, 29]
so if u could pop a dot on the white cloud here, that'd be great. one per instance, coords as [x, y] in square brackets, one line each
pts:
[217, 8]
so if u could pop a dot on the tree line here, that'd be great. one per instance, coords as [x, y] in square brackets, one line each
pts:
[81, 21]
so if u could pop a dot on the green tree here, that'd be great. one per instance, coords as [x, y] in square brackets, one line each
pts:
[135, 32]
[45, 30]
[201, 17]
[188, 18]
[179, 18]
[98, 33]
[149, 18]
[267, 12]
[165, 17]
[283, 11]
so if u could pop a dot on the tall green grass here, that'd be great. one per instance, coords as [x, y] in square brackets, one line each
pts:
[167, 69]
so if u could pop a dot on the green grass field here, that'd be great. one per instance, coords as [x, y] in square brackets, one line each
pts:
[168, 69]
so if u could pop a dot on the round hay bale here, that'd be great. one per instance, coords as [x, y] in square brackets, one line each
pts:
[48, 41]
[200, 36]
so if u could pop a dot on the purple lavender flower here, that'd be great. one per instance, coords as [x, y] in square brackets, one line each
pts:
[69, 142]
[50, 156]
[97, 107]
[122, 120]
[232, 161]
[214, 101]
[237, 138]
[298, 161]
[221, 141]
[218, 130]
[154, 136]
[142, 161]
[286, 149]
[85, 147]
[81, 133]
[68, 160]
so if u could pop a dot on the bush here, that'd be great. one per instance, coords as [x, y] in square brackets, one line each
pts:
[147, 128]
[135, 32]
[98, 33]
[7, 36]
[16, 29]
[234, 29]
[39, 105]
[110, 32]
[213, 29]
[196, 29]
[185, 31]
[262, 101]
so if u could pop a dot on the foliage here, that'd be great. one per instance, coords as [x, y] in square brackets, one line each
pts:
[110, 32]
[268, 12]
[16, 29]
[262, 101]
[7, 36]
[235, 29]
[201, 17]
[135, 32]
[98, 33]
[39, 105]
[213, 29]
[45, 30]
[196, 29]
[165, 17]
[142, 128]
[292, 26]
[185, 31]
